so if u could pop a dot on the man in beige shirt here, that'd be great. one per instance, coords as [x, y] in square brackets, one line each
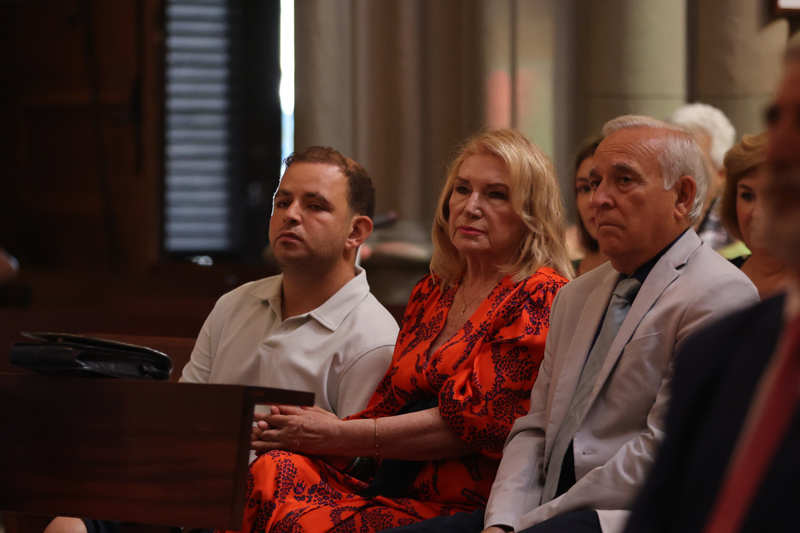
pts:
[315, 327]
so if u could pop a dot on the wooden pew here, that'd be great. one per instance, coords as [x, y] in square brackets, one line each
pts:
[178, 348]
[142, 451]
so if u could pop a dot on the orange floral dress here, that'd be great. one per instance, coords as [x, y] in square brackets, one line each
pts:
[481, 380]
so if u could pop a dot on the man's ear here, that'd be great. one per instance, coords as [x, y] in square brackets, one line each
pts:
[685, 190]
[360, 229]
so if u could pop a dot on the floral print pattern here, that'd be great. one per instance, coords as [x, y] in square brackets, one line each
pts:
[481, 379]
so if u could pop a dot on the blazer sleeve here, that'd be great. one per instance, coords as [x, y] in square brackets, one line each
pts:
[612, 485]
[656, 493]
[517, 485]
[700, 374]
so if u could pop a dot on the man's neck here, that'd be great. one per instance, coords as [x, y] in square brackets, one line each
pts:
[640, 269]
[303, 290]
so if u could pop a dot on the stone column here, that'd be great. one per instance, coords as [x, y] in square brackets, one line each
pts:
[631, 57]
[738, 58]
[497, 71]
[526, 79]
[389, 105]
[324, 96]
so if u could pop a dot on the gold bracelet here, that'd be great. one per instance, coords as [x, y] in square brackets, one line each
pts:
[377, 442]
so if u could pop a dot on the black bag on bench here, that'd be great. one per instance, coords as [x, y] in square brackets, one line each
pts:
[76, 355]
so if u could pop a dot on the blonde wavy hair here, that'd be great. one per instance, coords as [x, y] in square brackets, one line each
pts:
[535, 197]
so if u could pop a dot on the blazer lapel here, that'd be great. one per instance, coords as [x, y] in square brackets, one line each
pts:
[663, 274]
[573, 358]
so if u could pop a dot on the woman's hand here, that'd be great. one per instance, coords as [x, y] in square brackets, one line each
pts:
[259, 425]
[418, 436]
[308, 430]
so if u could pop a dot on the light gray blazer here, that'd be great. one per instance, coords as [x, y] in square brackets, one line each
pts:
[690, 286]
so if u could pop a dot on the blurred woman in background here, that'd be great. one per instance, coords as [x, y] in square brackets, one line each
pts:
[743, 212]
[586, 226]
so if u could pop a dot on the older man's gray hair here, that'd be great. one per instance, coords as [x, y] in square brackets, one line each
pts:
[680, 155]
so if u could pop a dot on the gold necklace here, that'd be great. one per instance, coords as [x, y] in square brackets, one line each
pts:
[467, 304]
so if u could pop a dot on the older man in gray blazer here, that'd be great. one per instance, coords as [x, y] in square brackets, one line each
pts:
[575, 462]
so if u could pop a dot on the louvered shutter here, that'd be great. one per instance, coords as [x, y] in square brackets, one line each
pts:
[198, 154]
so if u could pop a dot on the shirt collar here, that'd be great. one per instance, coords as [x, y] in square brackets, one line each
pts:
[332, 312]
[643, 271]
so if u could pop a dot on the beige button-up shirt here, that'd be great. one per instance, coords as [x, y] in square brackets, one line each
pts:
[339, 351]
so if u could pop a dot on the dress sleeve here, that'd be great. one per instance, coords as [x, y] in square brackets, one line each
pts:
[421, 297]
[481, 402]
[384, 402]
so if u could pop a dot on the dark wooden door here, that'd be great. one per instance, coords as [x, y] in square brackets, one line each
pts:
[80, 98]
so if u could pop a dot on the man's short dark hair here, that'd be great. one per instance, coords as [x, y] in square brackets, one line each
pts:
[360, 194]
